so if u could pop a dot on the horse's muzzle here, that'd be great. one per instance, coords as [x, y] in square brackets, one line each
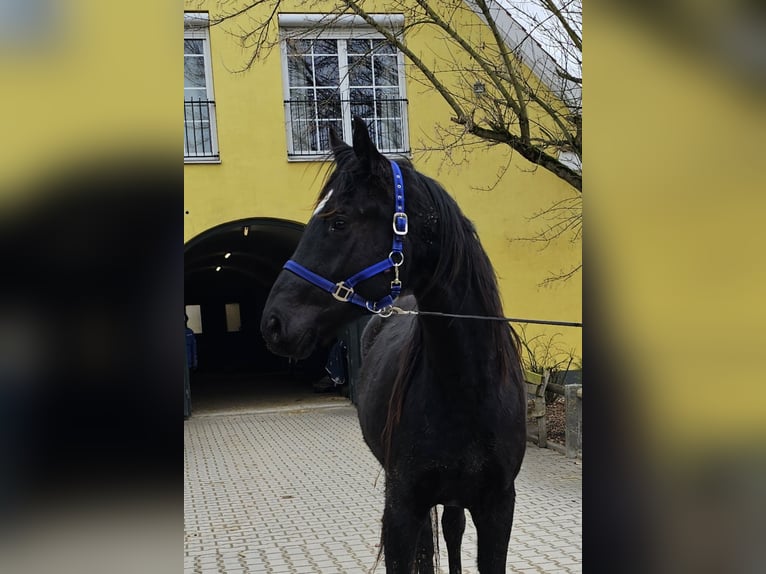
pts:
[284, 339]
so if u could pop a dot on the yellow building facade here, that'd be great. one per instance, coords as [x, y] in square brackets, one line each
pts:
[249, 159]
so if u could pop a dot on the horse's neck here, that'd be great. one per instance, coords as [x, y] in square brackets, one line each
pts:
[458, 350]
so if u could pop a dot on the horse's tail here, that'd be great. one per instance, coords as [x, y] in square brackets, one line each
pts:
[434, 517]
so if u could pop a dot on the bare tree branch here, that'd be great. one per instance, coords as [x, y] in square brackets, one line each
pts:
[562, 276]
[531, 137]
[519, 89]
[441, 88]
[574, 36]
[523, 118]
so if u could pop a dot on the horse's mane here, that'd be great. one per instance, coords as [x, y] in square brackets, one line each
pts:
[460, 254]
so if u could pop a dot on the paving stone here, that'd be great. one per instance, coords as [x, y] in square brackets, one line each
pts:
[298, 492]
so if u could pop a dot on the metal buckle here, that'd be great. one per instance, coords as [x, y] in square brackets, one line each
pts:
[393, 261]
[343, 293]
[406, 223]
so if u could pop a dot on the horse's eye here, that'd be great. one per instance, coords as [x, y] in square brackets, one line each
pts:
[338, 225]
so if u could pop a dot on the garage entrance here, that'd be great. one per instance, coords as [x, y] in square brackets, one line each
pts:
[228, 273]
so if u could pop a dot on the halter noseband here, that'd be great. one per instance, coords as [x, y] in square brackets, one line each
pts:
[344, 290]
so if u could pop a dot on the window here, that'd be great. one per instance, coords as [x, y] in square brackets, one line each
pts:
[338, 74]
[200, 141]
[233, 319]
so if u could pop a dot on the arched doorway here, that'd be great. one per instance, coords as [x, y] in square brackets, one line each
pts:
[228, 273]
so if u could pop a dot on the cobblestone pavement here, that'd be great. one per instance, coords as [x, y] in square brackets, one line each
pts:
[298, 491]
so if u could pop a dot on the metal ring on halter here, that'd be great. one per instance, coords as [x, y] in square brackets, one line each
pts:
[386, 311]
[391, 258]
[373, 309]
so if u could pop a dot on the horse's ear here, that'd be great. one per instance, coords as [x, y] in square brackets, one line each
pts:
[336, 143]
[365, 150]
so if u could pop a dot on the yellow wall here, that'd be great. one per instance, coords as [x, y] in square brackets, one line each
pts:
[255, 179]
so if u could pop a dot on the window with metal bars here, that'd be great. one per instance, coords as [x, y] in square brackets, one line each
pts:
[200, 137]
[328, 81]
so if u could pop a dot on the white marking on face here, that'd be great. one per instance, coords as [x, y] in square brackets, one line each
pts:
[323, 202]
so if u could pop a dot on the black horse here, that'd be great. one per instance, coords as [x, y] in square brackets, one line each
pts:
[441, 401]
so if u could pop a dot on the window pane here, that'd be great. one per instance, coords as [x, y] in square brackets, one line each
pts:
[386, 71]
[300, 71]
[382, 94]
[328, 104]
[361, 95]
[358, 47]
[362, 103]
[197, 138]
[388, 108]
[389, 134]
[364, 111]
[195, 94]
[325, 46]
[302, 95]
[326, 68]
[324, 132]
[304, 136]
[302, 105]
[196, 111]
[295, 46]
[383, 47]
[359, 71]
[194, 71]
[192, 46]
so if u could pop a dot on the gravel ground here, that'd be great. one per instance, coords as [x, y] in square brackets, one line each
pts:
[556, 420]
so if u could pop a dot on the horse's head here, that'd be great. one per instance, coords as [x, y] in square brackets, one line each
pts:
[350, 230]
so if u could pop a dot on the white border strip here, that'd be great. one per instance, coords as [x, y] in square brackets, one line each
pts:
[542, 64]
[196, 20]
[338, 20]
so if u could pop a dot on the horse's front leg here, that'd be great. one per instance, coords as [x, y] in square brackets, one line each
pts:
[453, 526]
[403, 520]
[425, 552]
[493, 519]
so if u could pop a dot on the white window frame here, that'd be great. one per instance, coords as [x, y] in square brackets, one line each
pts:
[196, 27]
[343, 27]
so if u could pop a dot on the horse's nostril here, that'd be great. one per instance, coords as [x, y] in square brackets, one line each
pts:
[273, 328]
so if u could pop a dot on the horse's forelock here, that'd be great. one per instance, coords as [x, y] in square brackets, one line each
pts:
[348, 174]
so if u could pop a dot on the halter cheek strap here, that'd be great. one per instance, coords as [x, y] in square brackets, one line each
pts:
[343, 291]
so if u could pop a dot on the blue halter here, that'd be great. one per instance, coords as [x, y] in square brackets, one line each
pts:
[344, 290]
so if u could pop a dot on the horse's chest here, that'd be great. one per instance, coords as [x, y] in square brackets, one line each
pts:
[466, 439]
[464, 423]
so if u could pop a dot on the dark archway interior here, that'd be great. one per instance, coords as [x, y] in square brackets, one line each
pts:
[234, 359]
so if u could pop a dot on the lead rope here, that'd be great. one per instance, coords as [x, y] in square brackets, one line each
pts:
[399, 311]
